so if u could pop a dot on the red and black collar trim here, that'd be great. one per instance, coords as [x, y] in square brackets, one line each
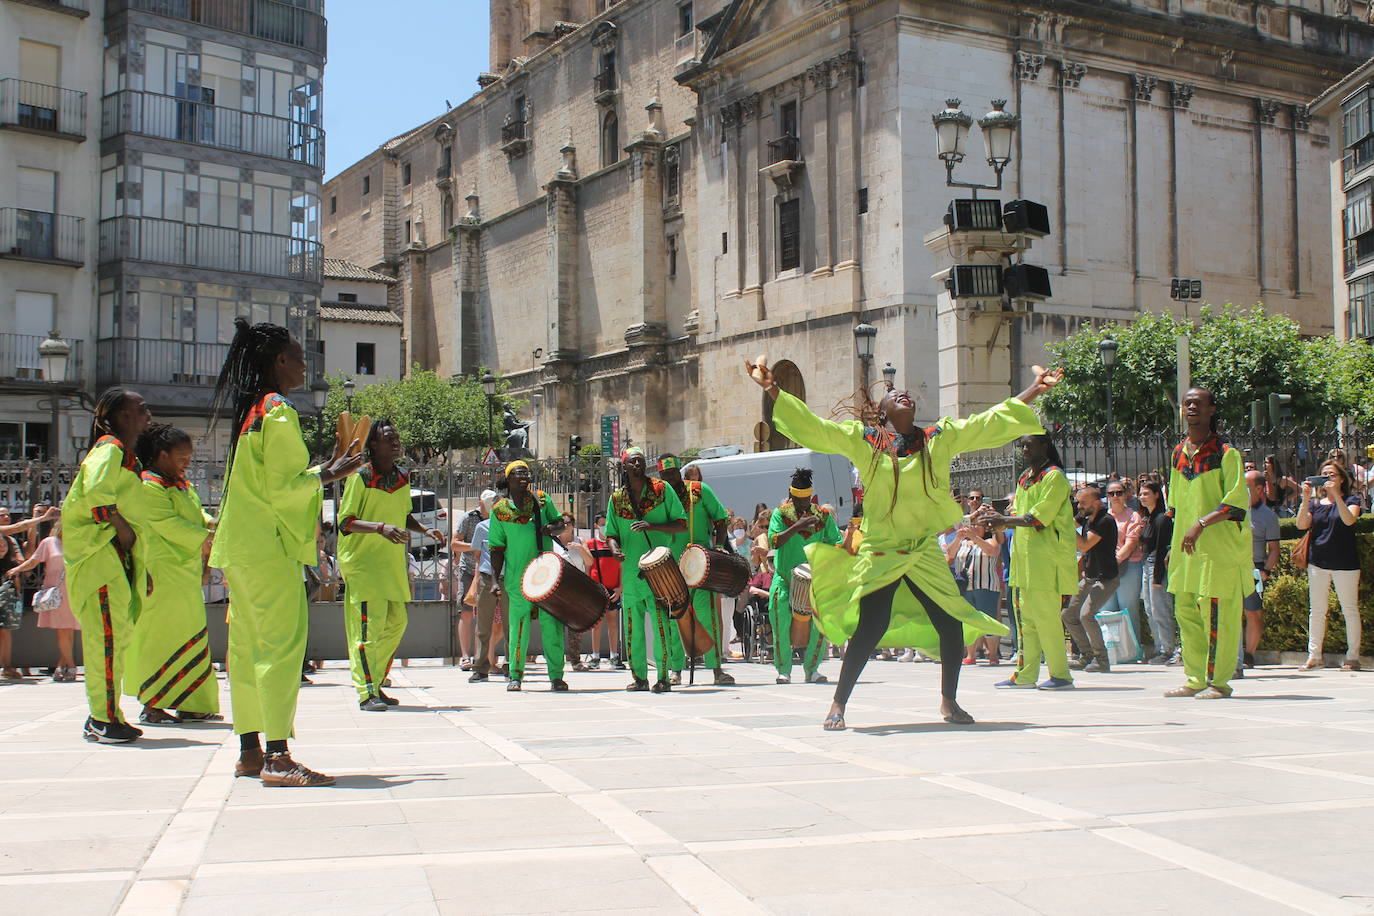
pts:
[1208, 457]
[180, 483]
[389, 482]
[260, 411]
[128, 460]
[1030, 478]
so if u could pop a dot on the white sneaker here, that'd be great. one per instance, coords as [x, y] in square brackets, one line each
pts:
[908, 656]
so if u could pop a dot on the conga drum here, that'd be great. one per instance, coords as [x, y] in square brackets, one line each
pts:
[721, 571]
[660, 571]
[566, 592]
[799, 597]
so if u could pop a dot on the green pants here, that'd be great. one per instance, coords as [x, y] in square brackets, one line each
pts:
[518, 623]
[268, 620]
[1042, 632]
[107, 627]
[1209, 629]
[780, 618]
[374, 630]
[668, 654]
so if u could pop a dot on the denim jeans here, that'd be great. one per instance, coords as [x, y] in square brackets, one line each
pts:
[1159, 605]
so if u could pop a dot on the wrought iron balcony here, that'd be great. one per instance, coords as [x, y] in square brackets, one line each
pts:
[299, 24]
[156, 115]
[211, 247]
[19, 358]
[604, 81]
[42, 109]
[153, 361]
[36, 235]
[784, 149]
[512, 131]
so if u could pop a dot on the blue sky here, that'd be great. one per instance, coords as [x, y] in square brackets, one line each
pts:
[384, 77]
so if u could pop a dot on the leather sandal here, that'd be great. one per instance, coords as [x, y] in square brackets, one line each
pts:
[834, 722]
[249, 764]
[281, 770]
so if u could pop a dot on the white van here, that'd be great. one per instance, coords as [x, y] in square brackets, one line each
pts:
[741, 481]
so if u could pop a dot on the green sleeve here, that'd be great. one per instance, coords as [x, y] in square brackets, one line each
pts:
[672, 505]
[351, 505]
[200, 507]
[711, 504]
[776, 526]
[294, 486]
[162, 515]
[796, 421]
[103, 465]
[612, 522]
[991, 428]
[1233, 480]
[1054, 491]
[496, 533]
[548, 512]
[831, 533]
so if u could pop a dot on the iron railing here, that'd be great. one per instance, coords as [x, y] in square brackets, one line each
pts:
[604, 81]
[35, 106]
[212, 247]
[42, 236]
[75, 6]
[157, 115]
[299, 23]
[19, 357]
[513, 130]
[784, 149]
[159, 362]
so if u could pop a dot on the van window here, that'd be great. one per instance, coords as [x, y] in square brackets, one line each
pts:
[424, 502]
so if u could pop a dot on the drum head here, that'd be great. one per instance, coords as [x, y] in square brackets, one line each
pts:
[654, 557]
[693, 565]
[802, 571]
[541, 576]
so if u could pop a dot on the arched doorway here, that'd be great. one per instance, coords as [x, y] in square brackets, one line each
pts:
[789, 379]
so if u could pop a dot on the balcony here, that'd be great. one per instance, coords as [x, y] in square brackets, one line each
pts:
[34, 235]
[513, 139]
[296, 24]
[19, 358]
[155, 115]
[40, 109]
[78, 8]
[211, 247]
[603, 87]
[784, 161]
[443, 177]
[152, 361]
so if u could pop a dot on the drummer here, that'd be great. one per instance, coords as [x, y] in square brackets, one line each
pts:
[706, 519]
[794, 524]
[641, 515]
[523, 525]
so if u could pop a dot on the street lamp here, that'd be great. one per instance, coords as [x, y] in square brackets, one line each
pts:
[864, 335]
[951, 139]
[1106, 351]
[348, 393]
[890, 376]
[537, 400]
[319, 393]
[489, 386]
[53, 356]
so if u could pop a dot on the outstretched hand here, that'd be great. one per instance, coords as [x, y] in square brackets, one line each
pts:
[1044, 380]
[758, 371]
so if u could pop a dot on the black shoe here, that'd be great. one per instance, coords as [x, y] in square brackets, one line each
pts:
[390, 701]
[661, 687]
[721, 679]
[306, 680]
[637, 684]
[513, 687]
[108, 732]
[477, 677]
[1249, 660]
[559, 685]
[374, 704]
[1097, 666]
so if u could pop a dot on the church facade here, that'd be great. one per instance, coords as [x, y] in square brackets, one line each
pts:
[641, 195]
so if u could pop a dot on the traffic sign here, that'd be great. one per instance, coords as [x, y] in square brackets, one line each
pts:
[491, 458]
[610, 434]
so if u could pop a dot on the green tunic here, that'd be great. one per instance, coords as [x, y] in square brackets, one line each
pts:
[793, 553]
[374, 568]
[658, 505]
[899, 526]
[1220, 566]
[1044, 556]
[109, 476]
[513, 530]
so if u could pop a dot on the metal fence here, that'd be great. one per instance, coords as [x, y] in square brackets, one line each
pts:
[156, 115]
[1093, 454]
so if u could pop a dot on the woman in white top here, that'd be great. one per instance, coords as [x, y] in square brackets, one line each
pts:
[974, 554]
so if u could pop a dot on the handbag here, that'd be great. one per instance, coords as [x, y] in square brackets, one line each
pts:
[1300, 549]
[47, 599]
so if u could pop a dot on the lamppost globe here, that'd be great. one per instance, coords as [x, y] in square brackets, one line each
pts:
[348, 393]
[999, 131]
[319, 393]
[890, 375]
[1106, 351]
[53, 356]
[489, 384]
[864, 335]
[951, 132]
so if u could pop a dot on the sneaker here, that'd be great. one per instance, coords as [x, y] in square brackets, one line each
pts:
[908, 656]
[1249, 660]
[390, 701]
[477, 677]
[1160, 659]
[617, 663]
[721, 679]
[675, 679]
[465, 664]
[559, 685]
[1097, 666]
[1013, 683]
[637, 684]
[108, 732]
[784, 678]
[1055, 683]
[281, 770]
[1213, 692]
[373, 704]
[1081, 662]
[1176, 659]
[513, 687]
[661, 687]
[816, 678]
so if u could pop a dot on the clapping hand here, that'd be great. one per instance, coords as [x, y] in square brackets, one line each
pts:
[1044, 380]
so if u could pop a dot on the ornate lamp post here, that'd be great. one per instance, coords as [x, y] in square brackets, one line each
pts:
[864, 335]
[1106, 351]
[951, 140]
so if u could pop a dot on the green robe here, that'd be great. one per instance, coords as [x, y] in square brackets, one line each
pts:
[658, 505]
[1044, 556]
[515, 532]
[900, 528]
[169, 658]
[265, 538]
[1221, 566]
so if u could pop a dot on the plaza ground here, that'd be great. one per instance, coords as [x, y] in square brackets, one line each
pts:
[469, 799]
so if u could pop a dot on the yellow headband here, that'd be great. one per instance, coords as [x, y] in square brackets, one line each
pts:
[800, 494]
[517, 463]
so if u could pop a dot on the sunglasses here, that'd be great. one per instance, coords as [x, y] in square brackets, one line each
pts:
[1116, 492]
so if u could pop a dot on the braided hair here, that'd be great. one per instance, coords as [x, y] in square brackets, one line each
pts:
[861, 406]
[374, 433]
[801, 478]
[247, 373]
[159, 438]
[110, 400]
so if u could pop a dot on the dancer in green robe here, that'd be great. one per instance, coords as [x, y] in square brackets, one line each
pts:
[1044, 563]
[1210, 563]
[374, 534]
[169, 659]
[792, 526]
[641, 515]
[522, 526]
[898, 590]
[266, 537]
[104, 520]
[706, 519]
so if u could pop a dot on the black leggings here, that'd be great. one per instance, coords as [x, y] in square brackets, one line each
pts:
[875, 613]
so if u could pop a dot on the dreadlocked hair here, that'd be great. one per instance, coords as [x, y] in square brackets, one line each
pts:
[247, 374]
[801, 478]
[159, 438]
[374, 433]
[1051, 451]
[860, 406]
[110, 400]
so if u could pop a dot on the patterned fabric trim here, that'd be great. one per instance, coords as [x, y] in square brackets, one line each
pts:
[1208, 457]
[649, 499]
[387, 483]
[261, 410]
[180, 483]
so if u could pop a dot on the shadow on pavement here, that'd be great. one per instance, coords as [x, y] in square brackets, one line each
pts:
[372, 781]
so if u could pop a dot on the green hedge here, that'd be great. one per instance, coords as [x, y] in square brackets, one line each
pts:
[1285, 597]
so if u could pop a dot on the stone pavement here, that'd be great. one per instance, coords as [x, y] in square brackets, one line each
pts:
[467, 799]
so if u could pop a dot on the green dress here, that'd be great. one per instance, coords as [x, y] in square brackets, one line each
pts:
[1044, 568]
[169, 659]
[658, 505]
[788, 557]
[514, 529]
[901, 520]
[703, 510]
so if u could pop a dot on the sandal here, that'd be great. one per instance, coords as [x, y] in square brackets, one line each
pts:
[200, 716]
[151, 715]
[834, 722]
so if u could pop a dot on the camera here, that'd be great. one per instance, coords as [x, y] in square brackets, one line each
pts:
[1318, 481]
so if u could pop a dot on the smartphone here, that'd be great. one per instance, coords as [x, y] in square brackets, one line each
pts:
[1318, 481]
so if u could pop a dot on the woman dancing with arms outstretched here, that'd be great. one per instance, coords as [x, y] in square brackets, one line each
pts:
[898, 590]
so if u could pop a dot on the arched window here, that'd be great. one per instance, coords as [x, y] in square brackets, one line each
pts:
[610, 139]
[789, 379]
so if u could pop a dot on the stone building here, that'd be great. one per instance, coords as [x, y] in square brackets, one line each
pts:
[641, 194]
[360, 336]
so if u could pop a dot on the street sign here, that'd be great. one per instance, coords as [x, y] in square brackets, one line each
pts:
[610, 434]
[490, 457]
